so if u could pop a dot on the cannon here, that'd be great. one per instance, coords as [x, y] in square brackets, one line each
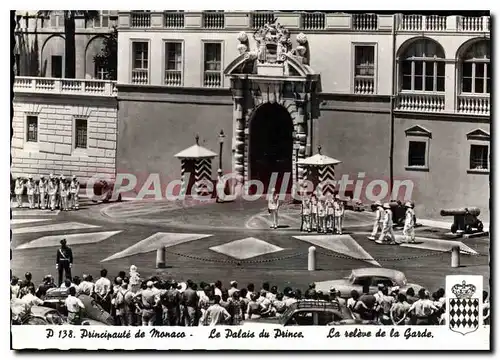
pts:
[398, 212]
[464, 220]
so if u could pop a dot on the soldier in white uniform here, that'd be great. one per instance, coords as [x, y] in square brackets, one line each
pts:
[387, 230]
[329, 214]
[306, 213]
[63, 194]
[30, 190]
[409, 227]
[273, 206]
[338, 214]
[379, 218]
[37, 194]
[321, 215]
[42, 188]
[18, 190]
[52, 192]
[314, 212]
[74, 189]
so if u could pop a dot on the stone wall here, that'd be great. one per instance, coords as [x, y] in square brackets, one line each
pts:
[55, 150]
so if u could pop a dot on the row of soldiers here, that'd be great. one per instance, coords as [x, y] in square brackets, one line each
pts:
[51, 193]
[322, 214]
[384, 224]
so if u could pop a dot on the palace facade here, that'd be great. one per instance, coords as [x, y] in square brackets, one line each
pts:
[395, 97]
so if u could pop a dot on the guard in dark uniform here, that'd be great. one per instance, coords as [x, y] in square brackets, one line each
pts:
[64, 261]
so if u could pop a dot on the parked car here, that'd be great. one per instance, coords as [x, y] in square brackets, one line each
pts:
[93, 311]
[312, 312]
[103, 191]
[372, 276]
[42, 315]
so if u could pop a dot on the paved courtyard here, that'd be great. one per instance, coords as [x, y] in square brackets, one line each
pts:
[230, 241]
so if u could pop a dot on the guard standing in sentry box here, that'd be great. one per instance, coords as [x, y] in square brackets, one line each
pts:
[30, 190]
[18, 190]
[409, 226]
[379, 218]
[387, 225]
[64, 261]
[42, 189]
[74, 189]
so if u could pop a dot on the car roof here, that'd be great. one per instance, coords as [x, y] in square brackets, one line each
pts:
[375, 271]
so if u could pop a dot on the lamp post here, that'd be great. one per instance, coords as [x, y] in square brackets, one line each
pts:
[221, 144]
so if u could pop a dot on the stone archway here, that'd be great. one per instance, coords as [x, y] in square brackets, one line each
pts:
[270, 151]
[274, 73]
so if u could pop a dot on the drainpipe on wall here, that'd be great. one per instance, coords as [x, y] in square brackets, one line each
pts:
[392, 104]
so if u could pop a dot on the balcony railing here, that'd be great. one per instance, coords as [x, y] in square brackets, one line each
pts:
[212, 79]
[364, 85]
[259, 19]
[474, 104]
[474, 23]
[140, 76]
[173, 78]
[420, 102]
[313, 21]
[25, 84]
[307, 21]
[174, 19]
[213, 20]
[364, 22]
[140, 19]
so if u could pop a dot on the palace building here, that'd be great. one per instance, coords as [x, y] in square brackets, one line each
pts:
[395, 97]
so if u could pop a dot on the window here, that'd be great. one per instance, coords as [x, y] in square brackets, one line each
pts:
[102, 21]
[140, 63]
[56, 20]
[476, 70]
[100, 70]
[212, 65]
[416, 153]
[301, 318]
[173, 64]
[423, 67]
[364, 69]
[56, 66]
[17, 64]
[80, 133]
[479, 155]
[32, 128]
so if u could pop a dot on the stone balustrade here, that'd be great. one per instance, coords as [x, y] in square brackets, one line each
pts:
[308, 21]
[212, 79]
[25, 84]
[140, 76]
[474, 104]
[173, 78]
[420, 102]
[364, 85]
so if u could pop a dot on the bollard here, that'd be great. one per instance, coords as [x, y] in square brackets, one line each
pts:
[160, 257]
[455, 256]
[311, 260]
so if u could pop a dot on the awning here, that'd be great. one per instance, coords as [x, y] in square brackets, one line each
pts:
[195, 152]
[319, 160]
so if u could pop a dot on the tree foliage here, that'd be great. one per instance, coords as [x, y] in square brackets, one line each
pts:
[107, 58]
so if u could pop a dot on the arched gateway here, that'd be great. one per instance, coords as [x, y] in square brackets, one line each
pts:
[275, 99]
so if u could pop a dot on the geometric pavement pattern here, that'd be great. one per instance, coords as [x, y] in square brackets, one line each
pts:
[464, 313]
[246, 248]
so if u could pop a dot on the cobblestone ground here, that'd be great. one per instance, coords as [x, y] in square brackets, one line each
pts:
[208, 242]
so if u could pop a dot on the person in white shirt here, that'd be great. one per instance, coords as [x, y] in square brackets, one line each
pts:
[74, 307]
[31, 300]
[87, 286]
[423, 309]
[14, 288]
[409, 226]
[273, 207]
[387, 230]
[218, 288]
[291, 299]
[233, 289]
[102, 289]
[215, 314]
[379, 217]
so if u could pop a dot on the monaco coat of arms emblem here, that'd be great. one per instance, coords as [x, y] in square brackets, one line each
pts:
[463, 309]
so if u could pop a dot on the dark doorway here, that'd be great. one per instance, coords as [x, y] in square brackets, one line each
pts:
[57, 66]
[271, 145]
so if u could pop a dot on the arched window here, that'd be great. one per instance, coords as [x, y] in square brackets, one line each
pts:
[423, 67]
[475, 69]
